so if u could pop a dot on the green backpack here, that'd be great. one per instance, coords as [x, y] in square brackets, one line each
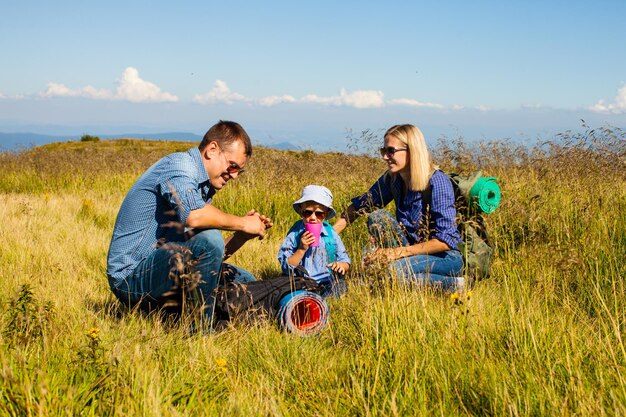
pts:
[475, 195]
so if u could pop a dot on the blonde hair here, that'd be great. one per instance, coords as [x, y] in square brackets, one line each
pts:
[420, 164]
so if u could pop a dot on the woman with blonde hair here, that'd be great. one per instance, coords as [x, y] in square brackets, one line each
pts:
[421, 244]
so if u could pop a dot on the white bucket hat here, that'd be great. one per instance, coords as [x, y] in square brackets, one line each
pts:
[318, 194]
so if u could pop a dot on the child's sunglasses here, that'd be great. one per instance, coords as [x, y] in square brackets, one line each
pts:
[318, 213]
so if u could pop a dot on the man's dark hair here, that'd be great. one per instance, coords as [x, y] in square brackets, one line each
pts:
[225, 133]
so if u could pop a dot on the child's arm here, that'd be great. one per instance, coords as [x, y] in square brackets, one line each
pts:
[305, 242]
[339, 267]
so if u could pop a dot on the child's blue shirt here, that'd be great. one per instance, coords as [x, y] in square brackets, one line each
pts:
[315, 259]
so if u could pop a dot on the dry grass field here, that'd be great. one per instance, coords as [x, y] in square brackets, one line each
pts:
[543, 336]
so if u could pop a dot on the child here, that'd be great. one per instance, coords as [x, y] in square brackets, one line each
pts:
[326, 263]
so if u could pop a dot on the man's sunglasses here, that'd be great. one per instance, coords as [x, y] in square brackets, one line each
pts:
[390, 150]
[234, 168]
[318, 213]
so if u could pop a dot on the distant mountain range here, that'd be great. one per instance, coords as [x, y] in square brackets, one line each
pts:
[16, 141]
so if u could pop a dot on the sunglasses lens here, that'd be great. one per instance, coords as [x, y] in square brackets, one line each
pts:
[234, 169]
[318, 214]
[389, 151]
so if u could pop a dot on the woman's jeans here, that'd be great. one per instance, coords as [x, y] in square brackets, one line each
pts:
[442, 270]
[154, 278]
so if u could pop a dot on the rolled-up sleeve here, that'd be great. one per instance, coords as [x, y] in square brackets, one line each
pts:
[378, 196]
[443, 211]
[181, 190]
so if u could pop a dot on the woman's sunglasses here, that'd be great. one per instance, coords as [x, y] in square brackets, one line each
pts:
[318, 213]
[390, 150]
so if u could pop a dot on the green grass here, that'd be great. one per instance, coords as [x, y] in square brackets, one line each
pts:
[543, 336]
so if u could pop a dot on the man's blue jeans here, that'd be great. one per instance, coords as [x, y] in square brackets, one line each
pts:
[441, 269]
[154, 276]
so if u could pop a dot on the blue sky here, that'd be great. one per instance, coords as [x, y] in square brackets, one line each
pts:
[308, 71]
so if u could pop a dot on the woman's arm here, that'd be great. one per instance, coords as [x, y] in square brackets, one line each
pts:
[443, 238]
[348, 216]
[386, 255]
[378, 196]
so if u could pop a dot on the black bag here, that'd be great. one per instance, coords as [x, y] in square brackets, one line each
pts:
[250, 300]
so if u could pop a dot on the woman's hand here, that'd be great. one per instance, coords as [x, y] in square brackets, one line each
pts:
[383, 256]
[306, 240]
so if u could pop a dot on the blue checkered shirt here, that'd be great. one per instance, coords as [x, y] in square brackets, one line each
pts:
[156, 209]
[410, 207]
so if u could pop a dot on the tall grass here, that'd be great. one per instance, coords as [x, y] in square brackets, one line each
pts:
[543, 336]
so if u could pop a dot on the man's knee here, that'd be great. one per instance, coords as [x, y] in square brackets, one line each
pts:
[207, 242]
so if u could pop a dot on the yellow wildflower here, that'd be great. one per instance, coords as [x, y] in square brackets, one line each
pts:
[454, 296]
[221, 362]
[93, 333]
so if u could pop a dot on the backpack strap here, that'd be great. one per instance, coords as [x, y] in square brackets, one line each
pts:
[329, 242]
[296, 225]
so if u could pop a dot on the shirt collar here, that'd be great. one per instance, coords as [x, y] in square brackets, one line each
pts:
[201, 174]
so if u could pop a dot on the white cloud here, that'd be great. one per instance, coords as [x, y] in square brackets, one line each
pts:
[60, 90]
[133, 88]
[363, 98]
[619, 106]
[414, 103]
[130, 88]
[219, 94]
[273, 100]
[531, 106]
[313, 98]
[359, 99]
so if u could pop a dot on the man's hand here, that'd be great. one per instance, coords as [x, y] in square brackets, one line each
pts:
[266, 220]
[255, 224]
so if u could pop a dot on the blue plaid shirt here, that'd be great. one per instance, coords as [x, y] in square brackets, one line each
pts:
[156, 209]
[410, 207]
